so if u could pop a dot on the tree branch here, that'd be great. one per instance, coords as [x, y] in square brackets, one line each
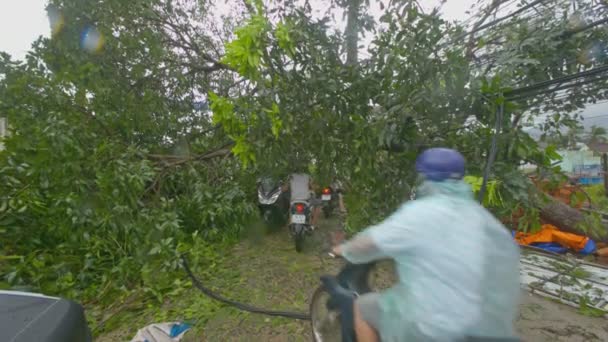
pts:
[174, 160]
[491, 9]
[168, 161]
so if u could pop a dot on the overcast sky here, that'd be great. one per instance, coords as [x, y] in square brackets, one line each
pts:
[23, 21]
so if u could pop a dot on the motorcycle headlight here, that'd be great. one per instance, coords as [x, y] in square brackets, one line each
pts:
[275, 196]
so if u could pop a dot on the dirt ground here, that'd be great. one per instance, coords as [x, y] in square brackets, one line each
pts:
[541, 319]
[267, 272]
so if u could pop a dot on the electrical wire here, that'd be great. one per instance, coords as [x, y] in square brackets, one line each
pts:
[566, 96]
[245, 307]
[455, 40]
[540, 85]
[565, 33]
[563, 87]
[501, 6]
[597, 116]
[492, 58]
[499, 20]
[586, 27]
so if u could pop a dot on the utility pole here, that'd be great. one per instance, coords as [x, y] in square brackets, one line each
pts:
[605, 172]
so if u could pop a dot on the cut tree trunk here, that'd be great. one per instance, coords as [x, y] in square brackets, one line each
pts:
[569, 219]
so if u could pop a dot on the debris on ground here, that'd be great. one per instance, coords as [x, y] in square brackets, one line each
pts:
[162, 332]
[568, 280]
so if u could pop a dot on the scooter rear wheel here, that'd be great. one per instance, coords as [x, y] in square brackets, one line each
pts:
[325, 324]
[361, 278]
[299, 241]
[327, 211]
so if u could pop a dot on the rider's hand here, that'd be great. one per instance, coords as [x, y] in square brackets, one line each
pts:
[337, 251]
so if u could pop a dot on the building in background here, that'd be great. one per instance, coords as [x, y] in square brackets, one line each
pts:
[584, 165]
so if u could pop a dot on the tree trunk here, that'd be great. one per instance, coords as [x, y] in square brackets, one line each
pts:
[352, 32]
[567, 219]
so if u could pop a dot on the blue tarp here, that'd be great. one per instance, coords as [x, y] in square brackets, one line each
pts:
[590, 180]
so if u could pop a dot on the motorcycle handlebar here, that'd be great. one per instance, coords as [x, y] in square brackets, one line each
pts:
[334, 256]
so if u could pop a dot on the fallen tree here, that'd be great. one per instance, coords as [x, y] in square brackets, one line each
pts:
[572, 220]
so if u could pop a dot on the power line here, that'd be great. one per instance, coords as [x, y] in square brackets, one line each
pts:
[565, 34]
[565, 96]
[490, 24]
[563, 87]
[539, 85]
[500, 6]
[499, 20]
[564, 60]
[586, 27]
[598, 116]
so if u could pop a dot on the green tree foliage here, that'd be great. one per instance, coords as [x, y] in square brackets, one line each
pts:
[421, 87]
[110, 171]
[596, 134]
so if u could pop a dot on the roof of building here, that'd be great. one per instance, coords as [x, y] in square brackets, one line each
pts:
[600, 147]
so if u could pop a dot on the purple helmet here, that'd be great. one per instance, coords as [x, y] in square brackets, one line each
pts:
[439, 164]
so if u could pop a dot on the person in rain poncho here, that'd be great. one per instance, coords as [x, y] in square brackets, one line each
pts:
[458, 267]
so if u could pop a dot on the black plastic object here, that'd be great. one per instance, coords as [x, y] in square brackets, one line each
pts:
[28, 317]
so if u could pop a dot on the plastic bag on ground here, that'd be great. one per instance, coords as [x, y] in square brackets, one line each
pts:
[161, 332]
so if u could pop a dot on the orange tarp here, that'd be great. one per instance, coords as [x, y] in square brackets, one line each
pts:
[550, 233]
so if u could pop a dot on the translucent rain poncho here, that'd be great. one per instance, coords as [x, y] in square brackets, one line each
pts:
[457, 268]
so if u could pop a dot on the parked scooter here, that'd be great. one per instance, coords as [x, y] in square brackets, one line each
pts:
[300, 224]
[273, 202]
[329, 201]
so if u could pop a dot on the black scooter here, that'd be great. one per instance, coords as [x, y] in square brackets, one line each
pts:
[273, 202]
[299, 225]
[331, 305]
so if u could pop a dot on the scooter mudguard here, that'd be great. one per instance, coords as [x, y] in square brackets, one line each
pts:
[343, 301]
[297, 229]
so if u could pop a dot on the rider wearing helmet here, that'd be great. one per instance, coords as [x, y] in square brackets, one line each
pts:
[458, 267]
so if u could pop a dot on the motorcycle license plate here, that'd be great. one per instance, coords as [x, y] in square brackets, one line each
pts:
[298, 219]
[326, 197]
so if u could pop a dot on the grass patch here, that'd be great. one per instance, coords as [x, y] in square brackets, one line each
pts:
[265, 272]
